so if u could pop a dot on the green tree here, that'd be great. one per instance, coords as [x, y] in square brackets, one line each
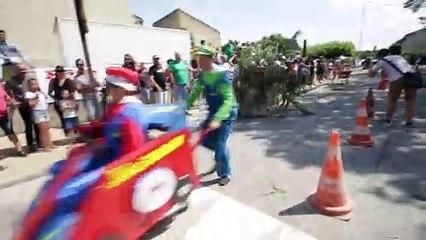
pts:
[365, 54]
[281, 44]
[415, 5]
[332, 49]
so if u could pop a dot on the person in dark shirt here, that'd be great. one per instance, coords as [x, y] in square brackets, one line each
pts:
[158, 80]
[320, 70]
[16, 88]
[57, 86]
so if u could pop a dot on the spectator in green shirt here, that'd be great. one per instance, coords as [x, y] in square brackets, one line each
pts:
[180, 73]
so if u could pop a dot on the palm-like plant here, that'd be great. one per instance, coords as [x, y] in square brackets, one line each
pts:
[265, 83]
[415, 5]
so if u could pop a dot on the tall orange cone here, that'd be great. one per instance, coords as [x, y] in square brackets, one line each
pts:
[330, 198]
[362, 136]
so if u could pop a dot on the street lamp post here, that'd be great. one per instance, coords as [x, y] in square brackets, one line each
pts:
[361, 34]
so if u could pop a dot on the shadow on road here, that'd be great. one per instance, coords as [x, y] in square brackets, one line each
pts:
[302, 140]
[7, 152]
[298, 209]
[10, 151]
[163, 225]
[422, 231]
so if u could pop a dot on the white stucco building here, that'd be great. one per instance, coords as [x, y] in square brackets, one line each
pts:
[33, 24]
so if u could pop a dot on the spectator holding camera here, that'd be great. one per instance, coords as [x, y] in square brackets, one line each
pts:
[57, 85]
[68, 107]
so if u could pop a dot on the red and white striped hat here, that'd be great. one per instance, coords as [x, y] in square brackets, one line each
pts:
[123, 77]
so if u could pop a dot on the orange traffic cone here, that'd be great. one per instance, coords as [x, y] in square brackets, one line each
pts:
[362, 136]
[331, 198]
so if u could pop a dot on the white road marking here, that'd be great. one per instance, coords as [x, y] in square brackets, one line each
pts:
[212, 215]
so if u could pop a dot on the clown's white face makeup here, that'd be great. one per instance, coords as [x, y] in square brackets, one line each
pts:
[115, 94]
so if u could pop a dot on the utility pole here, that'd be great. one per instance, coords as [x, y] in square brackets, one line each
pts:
[363, 11]
[361, 34]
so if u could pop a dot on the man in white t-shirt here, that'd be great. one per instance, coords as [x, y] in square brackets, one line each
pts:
[397, 84]
[89, 91]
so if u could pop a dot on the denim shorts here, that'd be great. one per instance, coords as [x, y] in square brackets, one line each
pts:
[71, 123]
[6, 125]
[40, 116]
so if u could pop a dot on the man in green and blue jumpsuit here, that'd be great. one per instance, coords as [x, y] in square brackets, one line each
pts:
[223, 107]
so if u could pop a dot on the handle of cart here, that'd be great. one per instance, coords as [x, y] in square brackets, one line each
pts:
[203, 134]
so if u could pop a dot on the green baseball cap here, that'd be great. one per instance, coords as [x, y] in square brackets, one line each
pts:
[205, 51]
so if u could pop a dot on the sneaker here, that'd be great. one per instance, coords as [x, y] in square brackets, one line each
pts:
[33, 149]
[409, 125]
[21, 153]
[388, 122]
[224, 181]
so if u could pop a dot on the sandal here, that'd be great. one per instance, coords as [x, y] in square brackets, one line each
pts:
[21, 153]
[46, 149]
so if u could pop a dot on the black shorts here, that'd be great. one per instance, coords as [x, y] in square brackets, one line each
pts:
[6, 125]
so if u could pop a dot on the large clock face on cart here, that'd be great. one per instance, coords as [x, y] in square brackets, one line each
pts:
[154, 189]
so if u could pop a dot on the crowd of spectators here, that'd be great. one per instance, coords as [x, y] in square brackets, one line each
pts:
[159, 84]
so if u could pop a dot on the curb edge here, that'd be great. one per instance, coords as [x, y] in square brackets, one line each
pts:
[22, 179]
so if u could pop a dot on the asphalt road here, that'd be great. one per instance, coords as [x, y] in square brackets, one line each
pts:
[14, 202]
[277, 161]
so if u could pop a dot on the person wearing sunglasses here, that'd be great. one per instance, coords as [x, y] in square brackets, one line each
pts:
[89, 91]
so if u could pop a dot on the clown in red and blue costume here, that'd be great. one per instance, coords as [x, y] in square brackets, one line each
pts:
[124, 118]
[124, 130]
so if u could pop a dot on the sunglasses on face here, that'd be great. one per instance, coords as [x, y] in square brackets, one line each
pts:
[109, 85]
[80, 65]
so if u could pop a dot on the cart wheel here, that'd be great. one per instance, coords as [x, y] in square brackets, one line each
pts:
[183, 190]
[153, 190]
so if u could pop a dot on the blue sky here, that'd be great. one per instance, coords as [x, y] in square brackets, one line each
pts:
[320, 20]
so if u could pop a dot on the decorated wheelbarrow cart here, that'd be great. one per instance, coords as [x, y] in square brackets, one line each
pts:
[123, 199]
[344, 74]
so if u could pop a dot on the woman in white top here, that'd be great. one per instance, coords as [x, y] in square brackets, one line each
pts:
[37, 100]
